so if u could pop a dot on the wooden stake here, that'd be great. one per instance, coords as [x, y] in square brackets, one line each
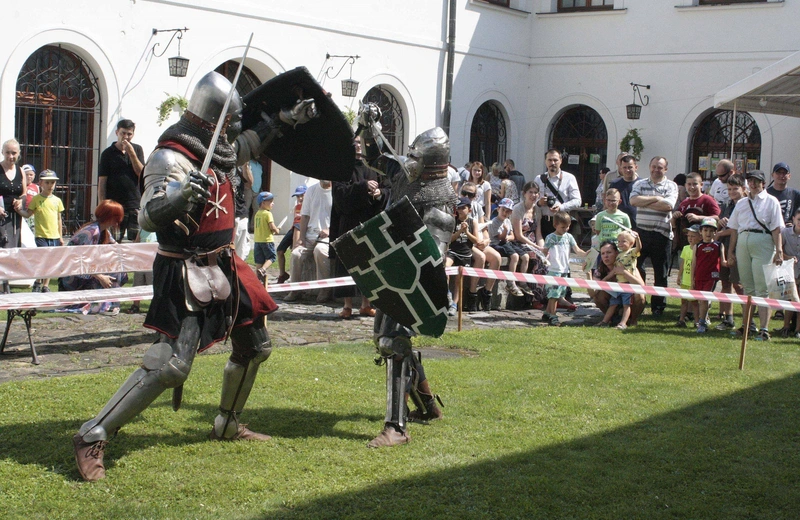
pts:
[748, 315]
[460, 282]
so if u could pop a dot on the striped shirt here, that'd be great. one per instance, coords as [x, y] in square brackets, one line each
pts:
[649, 219]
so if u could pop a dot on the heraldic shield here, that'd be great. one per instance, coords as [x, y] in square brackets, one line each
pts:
[322, 147]
[396, 264]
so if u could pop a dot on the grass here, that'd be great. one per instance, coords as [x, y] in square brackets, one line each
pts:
[539, 423]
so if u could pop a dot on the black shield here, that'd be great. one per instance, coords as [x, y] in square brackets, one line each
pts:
[321, 148]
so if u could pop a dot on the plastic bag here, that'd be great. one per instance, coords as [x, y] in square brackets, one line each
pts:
[780, 280]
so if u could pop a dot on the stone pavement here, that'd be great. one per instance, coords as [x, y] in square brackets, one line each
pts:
[74, 344]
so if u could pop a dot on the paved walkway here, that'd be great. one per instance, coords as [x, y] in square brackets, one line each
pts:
[76, 344]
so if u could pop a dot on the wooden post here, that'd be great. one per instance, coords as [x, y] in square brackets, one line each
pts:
[748, 314]
[460, 285]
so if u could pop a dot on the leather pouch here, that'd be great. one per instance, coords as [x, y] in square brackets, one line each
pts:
[206, 283]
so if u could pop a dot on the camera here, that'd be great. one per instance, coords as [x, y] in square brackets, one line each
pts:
[551, 201]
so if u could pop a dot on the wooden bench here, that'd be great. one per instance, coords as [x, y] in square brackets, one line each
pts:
[55, 262]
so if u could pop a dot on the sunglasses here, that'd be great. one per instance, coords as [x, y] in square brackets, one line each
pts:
[470, 194]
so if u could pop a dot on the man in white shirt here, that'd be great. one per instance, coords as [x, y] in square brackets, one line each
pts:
[558, 191]
[315, 222]
[719, 188]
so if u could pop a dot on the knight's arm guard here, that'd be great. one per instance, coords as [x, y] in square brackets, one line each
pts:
[166, 197]
[251, 143]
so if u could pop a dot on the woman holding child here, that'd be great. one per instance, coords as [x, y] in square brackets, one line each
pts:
[12, 185]
[606, 271]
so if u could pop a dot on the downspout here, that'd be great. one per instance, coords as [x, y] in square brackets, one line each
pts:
[448, 84]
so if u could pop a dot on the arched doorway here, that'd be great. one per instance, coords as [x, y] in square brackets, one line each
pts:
[712, 142]
[487, 135]
[580, 134]
[392, 119]
[57, 106]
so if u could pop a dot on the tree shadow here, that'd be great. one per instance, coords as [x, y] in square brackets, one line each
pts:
[669, 466]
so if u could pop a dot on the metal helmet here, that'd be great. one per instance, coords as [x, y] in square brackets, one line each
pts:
[430, 152]
[209, 97]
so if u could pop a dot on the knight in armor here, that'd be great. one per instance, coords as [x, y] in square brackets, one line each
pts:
[202, 292]
[422, 177]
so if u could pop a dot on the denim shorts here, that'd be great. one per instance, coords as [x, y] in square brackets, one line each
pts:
[264, 251]
[47, 242]
[619, 298]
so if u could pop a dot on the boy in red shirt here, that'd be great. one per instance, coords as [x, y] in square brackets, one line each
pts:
[709, 255]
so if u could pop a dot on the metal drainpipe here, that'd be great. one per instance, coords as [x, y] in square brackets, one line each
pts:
[448, 88]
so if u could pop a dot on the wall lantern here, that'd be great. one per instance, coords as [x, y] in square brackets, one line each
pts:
[634, 110]
[349, 86]
[178, 65]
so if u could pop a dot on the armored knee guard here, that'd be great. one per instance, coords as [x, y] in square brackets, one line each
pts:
[161, 369]
[239, 376]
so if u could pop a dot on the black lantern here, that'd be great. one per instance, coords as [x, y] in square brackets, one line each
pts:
[349, 86]
[178, 65]
[634, 110]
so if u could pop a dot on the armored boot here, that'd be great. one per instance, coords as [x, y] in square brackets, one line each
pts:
[427, 410]
[237, 382]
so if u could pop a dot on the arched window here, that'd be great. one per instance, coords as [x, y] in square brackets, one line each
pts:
[57, 104]
[248, 81]
[487, 136]
[712, 142]
[580, 134]
[392, 118]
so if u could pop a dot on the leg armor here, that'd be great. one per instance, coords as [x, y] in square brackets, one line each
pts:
[251, 347]
[165, 365]
[396, 353]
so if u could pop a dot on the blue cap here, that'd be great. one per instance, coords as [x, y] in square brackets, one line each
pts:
[694, 228]
[506, 203]
[28, 168]
[463, 201]
[781, 165]
[300, 190]
[48, 175]
[264, 196]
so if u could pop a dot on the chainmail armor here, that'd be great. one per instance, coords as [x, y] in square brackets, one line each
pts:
[425, 194]
[196, 139]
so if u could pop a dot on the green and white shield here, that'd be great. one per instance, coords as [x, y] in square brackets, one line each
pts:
[396, 264]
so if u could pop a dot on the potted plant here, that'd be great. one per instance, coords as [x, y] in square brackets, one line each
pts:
[632, 143]
[350, 115]
[173, 102]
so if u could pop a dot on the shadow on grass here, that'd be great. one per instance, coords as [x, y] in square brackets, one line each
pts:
[54, 438]
[732, 457]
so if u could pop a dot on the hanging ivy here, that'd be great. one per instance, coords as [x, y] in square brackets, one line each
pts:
[632, 143]
[165, 108]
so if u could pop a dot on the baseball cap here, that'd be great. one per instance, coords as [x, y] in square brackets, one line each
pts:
[48, 175]
[300, 190]
[28, 168]
[755, 174]
[463, 201]
[694, 228]
[264, 195]
[506, 203]
[708, 222]
[781, 165]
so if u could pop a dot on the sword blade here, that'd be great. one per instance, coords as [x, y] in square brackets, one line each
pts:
[220, 122]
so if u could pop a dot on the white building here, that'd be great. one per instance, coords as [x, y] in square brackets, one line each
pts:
[528, 75]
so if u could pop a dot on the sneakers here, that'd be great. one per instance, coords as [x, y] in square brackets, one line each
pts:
[452, 310]
[725, 325]
[681, 324]
[526, 289]
[552, 320]
[242, 434]
[282, 278]
[470, 302]
[37, 287]
[740, 331]
[514, 290]
[89, 458]
[262, 274]
[702, 327]
[621, 327]
[389, 437]
[763, 335]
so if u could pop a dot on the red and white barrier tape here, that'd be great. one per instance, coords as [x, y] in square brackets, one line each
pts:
[626, 288]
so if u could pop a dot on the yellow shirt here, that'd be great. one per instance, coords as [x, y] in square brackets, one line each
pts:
[263, 231]
[45, 215]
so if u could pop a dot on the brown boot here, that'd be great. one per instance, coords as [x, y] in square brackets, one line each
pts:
[389, 437]
[243, 434]
[432, 411]
[89, 458]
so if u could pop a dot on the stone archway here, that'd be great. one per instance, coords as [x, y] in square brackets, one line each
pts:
[488, 138]
[712, 141]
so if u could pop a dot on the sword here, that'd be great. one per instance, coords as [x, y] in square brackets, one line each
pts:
[177, 392]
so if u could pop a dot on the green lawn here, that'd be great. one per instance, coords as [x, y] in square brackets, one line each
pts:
[574, 422]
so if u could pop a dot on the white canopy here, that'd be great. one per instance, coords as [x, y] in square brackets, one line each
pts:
[772, 90]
